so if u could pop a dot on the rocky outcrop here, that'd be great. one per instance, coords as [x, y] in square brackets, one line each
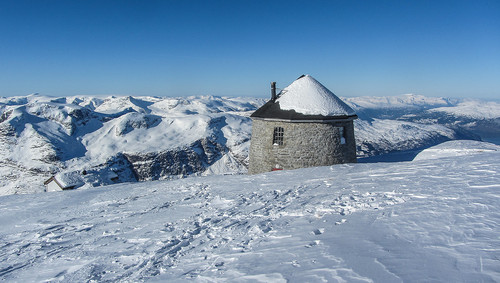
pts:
[179, 162]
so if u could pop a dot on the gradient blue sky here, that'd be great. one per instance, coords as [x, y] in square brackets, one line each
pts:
[235, 48]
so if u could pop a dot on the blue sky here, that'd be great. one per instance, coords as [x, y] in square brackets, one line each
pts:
[235, 48]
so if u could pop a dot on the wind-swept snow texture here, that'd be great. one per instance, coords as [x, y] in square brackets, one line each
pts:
[433, 220]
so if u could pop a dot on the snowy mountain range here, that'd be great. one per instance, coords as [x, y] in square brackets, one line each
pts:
[434, 219]
[128, 139]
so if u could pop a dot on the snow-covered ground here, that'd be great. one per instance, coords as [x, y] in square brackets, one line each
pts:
[432, 220]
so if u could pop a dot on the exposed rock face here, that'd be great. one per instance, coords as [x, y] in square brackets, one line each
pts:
[184, 161]
[136, 120]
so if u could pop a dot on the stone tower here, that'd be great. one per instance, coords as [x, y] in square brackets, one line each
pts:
[305, 125]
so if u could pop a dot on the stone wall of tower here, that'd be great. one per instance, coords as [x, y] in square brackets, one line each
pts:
[304, 145]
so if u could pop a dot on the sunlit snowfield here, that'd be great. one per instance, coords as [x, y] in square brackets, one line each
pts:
[434, 219]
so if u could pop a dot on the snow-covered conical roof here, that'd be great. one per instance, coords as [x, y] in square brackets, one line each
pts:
[305, 99]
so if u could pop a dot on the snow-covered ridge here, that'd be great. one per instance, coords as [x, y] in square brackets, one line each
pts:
[400, 101]
[473, 108]
[165, 137]
[43, 135]
[421, 221]
[383, 136]
[457, 148]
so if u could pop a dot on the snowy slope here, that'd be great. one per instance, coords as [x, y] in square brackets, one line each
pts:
[40, 136]
[126, 139]
[470, 115]
[433, 220]
[383, 136]
[473, 109]
[406, 101]
[456, 148]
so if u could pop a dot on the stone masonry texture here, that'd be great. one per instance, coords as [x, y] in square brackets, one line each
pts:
[305, 144]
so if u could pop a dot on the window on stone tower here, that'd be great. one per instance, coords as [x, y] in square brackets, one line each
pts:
[342, 135]
[278, 136]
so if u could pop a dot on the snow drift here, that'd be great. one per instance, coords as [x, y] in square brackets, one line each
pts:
[421, 221]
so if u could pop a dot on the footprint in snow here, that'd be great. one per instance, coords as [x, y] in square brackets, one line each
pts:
[312, 244]
[318, 231]
[341, 222]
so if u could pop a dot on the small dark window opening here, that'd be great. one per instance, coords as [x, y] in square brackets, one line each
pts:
[342, 135]
[278, 136]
